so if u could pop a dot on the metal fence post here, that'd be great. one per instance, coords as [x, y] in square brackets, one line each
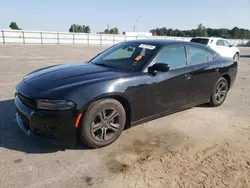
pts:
[88, 38]
[57, 38]
[3, 37]
[41, 37]
[74, 38]
[23, 37]
[113, 39]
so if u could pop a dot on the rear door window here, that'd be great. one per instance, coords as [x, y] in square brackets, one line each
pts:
[210, 56]
[198, 55]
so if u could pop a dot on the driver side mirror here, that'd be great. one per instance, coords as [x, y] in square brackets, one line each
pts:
[159, 67]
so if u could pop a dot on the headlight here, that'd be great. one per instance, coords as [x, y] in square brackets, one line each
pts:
[44, 104]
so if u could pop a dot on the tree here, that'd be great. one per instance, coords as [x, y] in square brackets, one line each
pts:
[79, 28]
[86, 29]
[106, 31]
[235, 33]
[14, 26]
[201, 30]
[114, 30]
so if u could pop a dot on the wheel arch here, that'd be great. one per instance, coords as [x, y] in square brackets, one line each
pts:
[227, 77]
[117, 96]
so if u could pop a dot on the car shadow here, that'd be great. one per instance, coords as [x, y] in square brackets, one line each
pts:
[245, 56]
[13, 138]
[205, 105]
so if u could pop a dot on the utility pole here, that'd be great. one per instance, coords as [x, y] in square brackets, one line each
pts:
[135, 26]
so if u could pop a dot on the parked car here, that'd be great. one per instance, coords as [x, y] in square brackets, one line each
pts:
[220, 45]
[130, 83]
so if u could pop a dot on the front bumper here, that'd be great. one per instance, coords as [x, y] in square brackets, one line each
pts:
[56, 127]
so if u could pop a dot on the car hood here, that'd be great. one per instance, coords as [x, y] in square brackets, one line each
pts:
[67, 74]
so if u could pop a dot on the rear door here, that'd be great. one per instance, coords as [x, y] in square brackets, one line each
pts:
[169, 91]
[205, 72]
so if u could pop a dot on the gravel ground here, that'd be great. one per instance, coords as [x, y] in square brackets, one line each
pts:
[199, 147]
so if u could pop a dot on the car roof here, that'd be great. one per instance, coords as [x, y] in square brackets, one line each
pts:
[162, 42]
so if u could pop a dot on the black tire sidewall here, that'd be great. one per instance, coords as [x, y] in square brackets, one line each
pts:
[213, 101]
[96, 107]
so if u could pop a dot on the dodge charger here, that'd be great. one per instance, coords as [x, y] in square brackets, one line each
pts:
[127, 84]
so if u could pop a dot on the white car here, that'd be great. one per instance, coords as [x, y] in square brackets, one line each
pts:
[220, 45]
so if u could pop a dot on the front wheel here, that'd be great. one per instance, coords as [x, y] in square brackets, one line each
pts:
[219, 93]
[236, 56]
[102, 123]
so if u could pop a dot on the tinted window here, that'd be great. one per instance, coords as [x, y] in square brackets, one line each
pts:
[174, 56]
[200, 40]
[127, 56]
[226, 43]
[210, 56]
[199, 55]
[220, 42]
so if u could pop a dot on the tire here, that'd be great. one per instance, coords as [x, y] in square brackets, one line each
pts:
[236, 56]
[98, 127]
[219, 93]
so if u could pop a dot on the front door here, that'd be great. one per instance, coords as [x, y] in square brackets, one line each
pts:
[224, 48]
[169, 91]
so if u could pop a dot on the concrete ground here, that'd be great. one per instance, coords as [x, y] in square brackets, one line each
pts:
[199, 147]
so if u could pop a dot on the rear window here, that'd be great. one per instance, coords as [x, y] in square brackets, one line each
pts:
[200, 40]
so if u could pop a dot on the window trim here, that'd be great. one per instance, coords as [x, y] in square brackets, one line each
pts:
[168, 46]
[200, 47]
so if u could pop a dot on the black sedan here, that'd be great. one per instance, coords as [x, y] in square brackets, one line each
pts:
[127, 84]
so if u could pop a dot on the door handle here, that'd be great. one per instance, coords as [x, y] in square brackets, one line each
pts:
[187, 76]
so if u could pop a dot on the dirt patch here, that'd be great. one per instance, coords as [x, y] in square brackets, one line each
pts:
[18, 161]
[142, 150]
[220, 165]
[88, 180]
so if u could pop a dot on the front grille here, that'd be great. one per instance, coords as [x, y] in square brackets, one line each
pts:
[27, 101]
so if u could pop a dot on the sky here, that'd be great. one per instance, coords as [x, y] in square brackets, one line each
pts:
[58, 15]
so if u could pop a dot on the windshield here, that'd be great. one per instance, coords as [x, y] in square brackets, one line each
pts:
[200, 40]
[127, 56]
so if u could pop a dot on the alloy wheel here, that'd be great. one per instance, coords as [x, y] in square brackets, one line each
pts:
[105, 124]
[221, 92]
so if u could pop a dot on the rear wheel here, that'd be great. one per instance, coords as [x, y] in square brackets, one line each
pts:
[236, 56]
[219, 93]
[102, 123]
